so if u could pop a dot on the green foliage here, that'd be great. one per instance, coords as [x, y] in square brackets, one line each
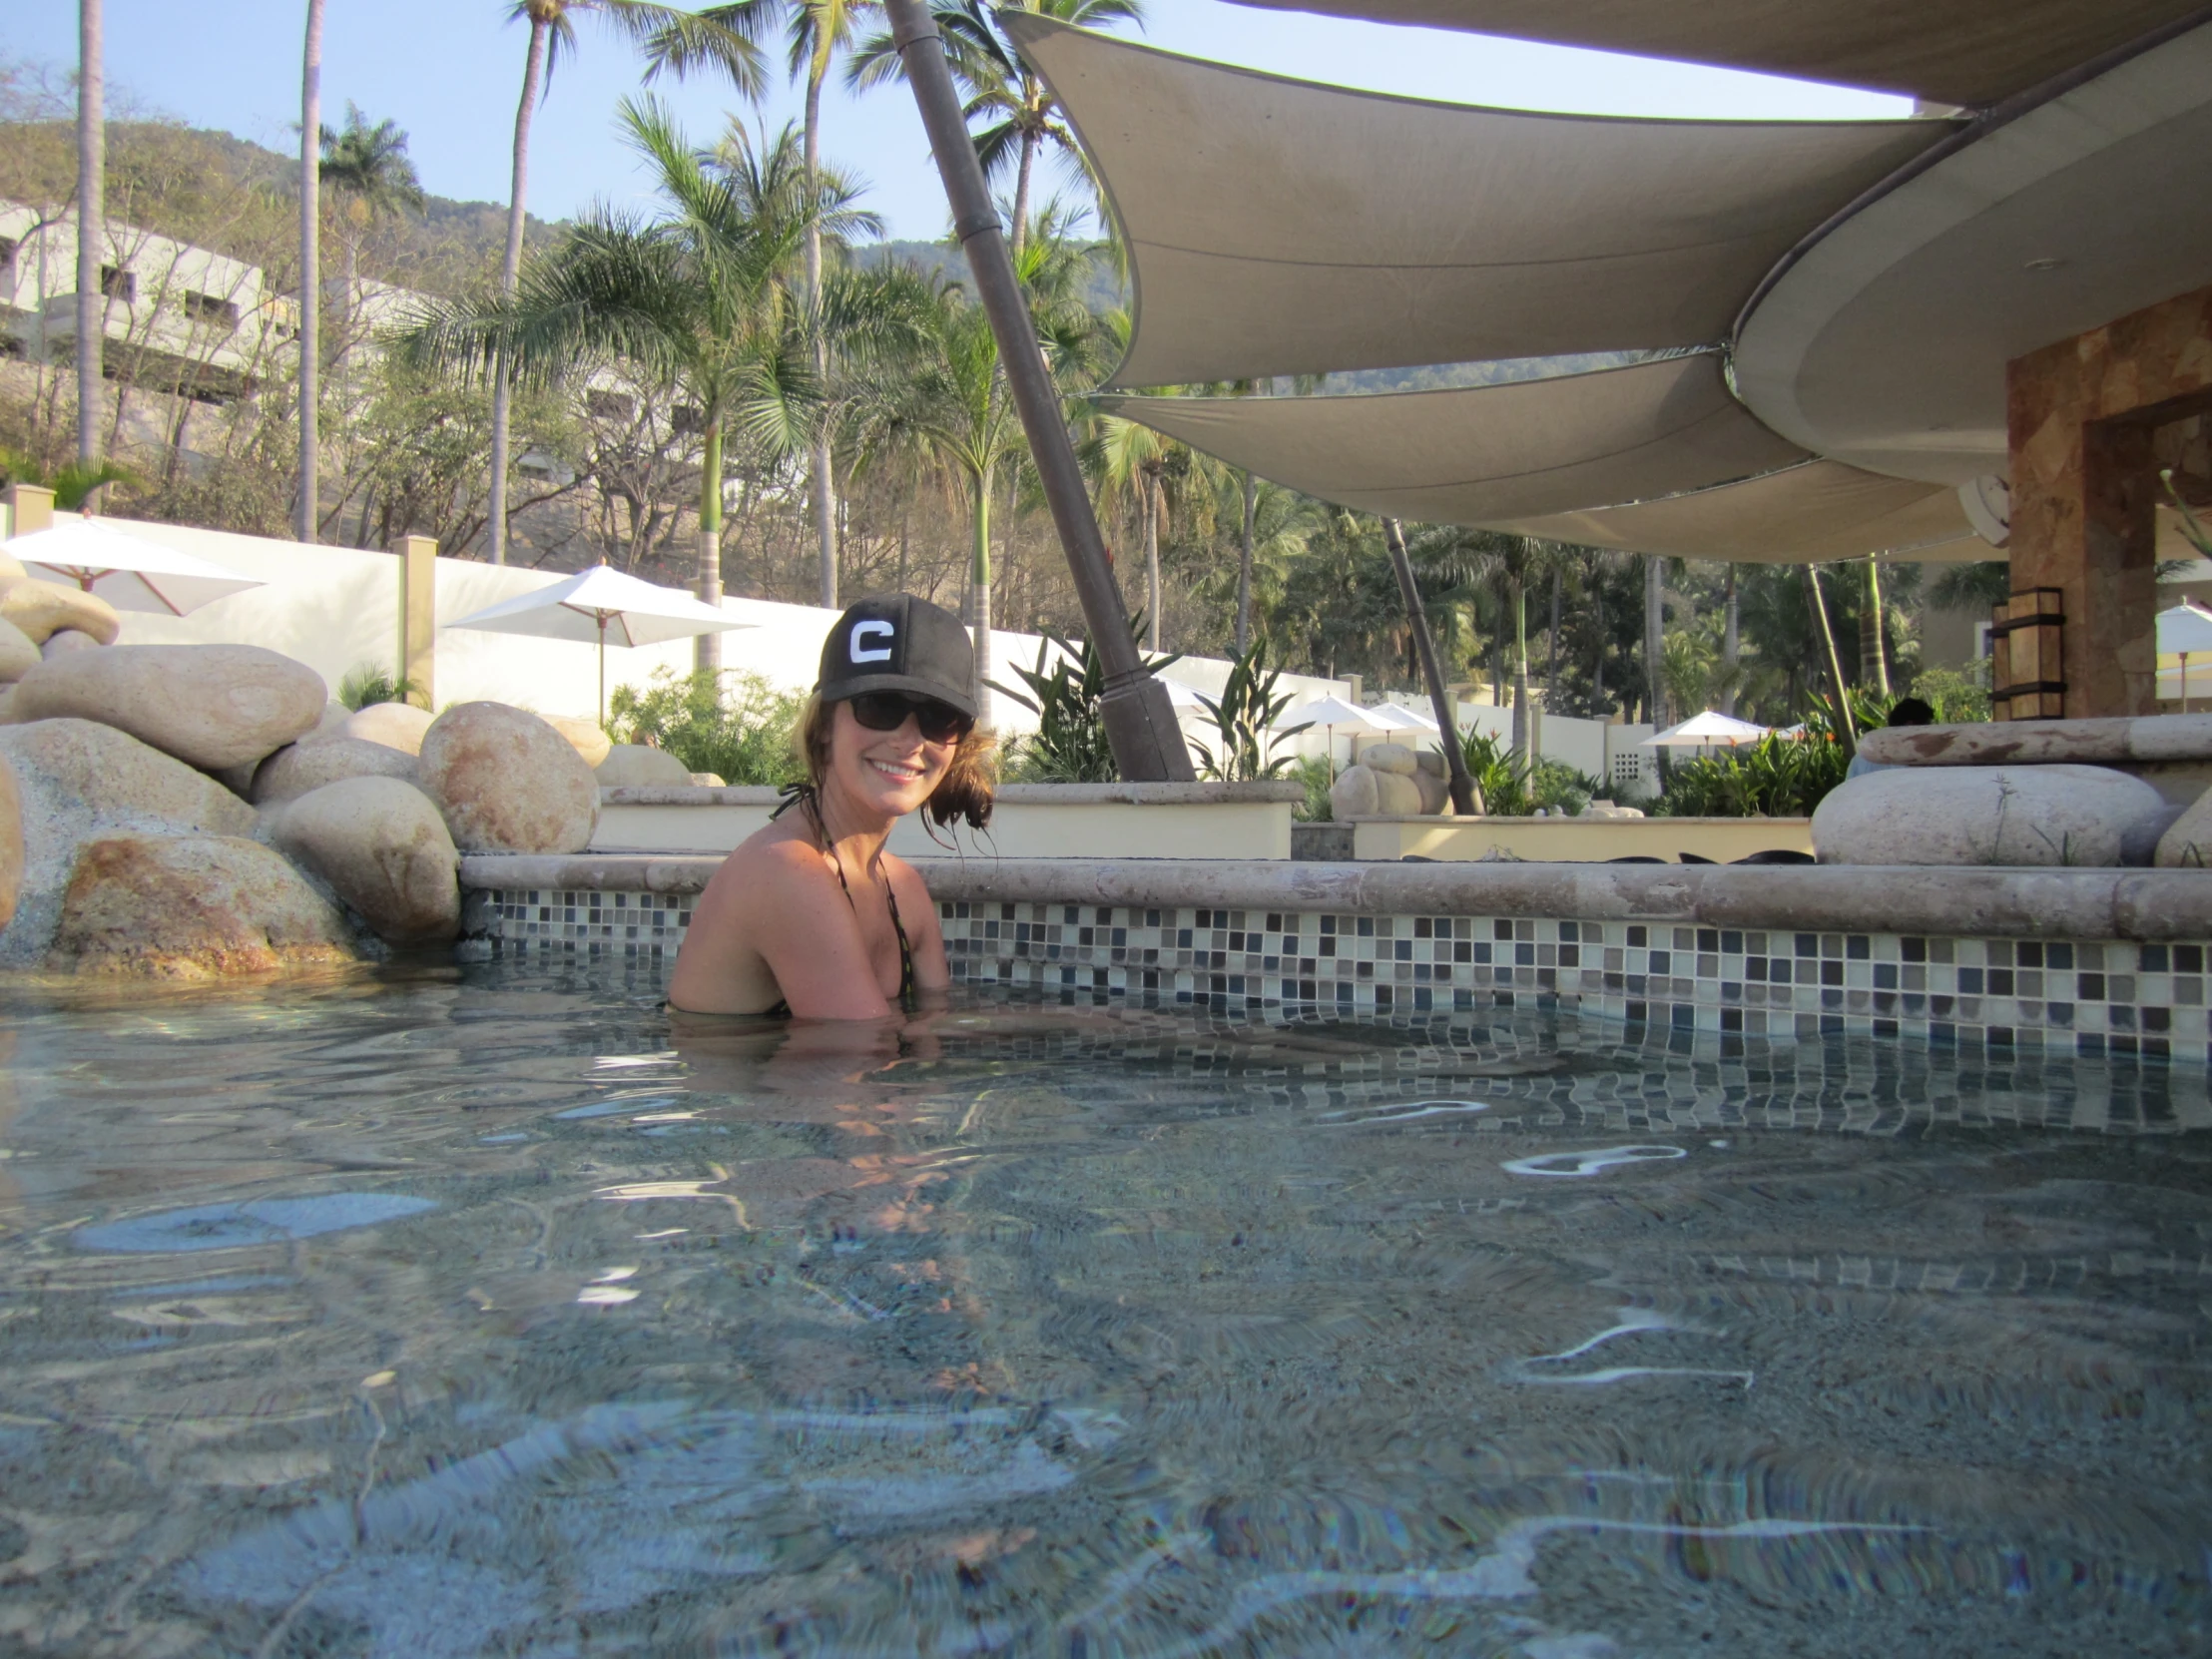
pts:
[1509, 790]
[1776, 777]
[1244, 716]
[73, 482]
[1068, 697]
[365, 684]
[738, 725]
[1314, 772]
[1955, 697]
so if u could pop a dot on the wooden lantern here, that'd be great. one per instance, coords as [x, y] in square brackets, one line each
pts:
[2026, 672]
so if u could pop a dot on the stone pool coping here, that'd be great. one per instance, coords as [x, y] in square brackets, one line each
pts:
[1020, 795]
[2121, 904]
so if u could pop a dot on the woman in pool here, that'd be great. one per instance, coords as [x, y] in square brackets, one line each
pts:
[811, 917]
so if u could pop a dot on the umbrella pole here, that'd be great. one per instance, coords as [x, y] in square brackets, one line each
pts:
[602, 673]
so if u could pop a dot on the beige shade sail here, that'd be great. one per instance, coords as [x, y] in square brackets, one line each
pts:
[1812, 513]
[1969, 52]
[1472, 455]
[1276, 227]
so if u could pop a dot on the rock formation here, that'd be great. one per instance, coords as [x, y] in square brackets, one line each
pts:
[397, 726]
[636, 765]
[300, 769]
[2009, 815]
[591, 742]
[214, 705]
[384, 847]
[507, 782]
[18, 656]
[41, 609]
[192, 907]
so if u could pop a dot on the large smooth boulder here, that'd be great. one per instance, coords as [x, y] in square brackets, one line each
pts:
[78, 779]
[192, 907]
[507, 782]
[2188, 843]
[62, 641]
[11, 843]
[1436, 794]
[313, 762]
[1393, 758]
[588, 736]
[11, 570]
[2020, 815]
[42, 609]
[18, 655]
[384, 847]
[1361, 792]
[214, 706]
[630, 765]
[397, 726]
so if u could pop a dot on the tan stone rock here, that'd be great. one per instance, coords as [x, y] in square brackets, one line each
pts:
[1436, 794]
[507, 782]
[590, 740]
[78, 779]
[11, 843]
[212, 705]
[384, 847]
[192, 907]
[2188, 843]
[1397, 794]
[62, 641]
[1395, 757]
[335, 717]
[40, 609]
[11, 570]
[630, 765]
[395, 725]
[1354, 794]
[7, 705]
[313, 762]
[18, 656]
[707, 780]
[2006, 815]
[1431, 761]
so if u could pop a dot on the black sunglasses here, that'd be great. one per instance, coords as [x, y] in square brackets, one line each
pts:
[887, 712]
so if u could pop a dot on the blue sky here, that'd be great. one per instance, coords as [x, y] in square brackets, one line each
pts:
[448, 70]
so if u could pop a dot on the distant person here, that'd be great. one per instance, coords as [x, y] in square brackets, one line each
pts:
[1906, 711]
[811, 917]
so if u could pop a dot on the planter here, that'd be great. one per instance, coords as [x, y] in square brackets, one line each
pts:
[1578, 839]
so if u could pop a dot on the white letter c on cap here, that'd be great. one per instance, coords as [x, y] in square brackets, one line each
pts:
[871, 630]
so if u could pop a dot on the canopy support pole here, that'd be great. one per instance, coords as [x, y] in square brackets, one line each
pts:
[1140, 720]
[1447, 726]
[1843, 726]
[602, 670]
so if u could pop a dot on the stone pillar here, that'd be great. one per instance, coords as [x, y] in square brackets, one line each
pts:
[29, 508]
[2082, 418]
[418, 615]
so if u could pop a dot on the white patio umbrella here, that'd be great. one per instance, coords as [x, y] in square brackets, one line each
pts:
[1180, 696]
[602, 604]
[128, 572]
[1399, 717]
[1708, 728]
[1329, 713]
[2184, 631]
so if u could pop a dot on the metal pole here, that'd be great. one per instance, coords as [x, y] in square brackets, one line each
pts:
[1140, 721]
[1835, 664]
[1455, 759]
[310, 278]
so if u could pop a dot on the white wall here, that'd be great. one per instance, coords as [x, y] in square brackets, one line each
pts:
[338, 609]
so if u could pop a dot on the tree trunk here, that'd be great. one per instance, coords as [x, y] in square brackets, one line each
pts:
[819, 484]
[1874, 656]
[1244, 568]
[1732, 643]
[510, 267]
[1152, 562]
[1551, 667]
[980, 578]
[1655, 642]
[1520, 675]
[1597, 676]
[1833, 661]
[306, 526]
[1464, 800]
[1021, 191]
[706, 650]
[92, 229]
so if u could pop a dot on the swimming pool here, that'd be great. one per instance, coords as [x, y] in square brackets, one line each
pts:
[481, 1310]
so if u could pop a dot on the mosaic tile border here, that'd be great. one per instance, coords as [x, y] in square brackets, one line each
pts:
[2092, 998]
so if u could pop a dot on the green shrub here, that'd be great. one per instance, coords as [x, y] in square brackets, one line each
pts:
[1314, 772]
[736, 726]
[1243, 716]
[1955, 695]
[366, 684]
[1776, 777]
[1511, 791]
[1067, 694]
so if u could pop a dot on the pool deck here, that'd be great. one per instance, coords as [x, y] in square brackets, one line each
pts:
[2134, 904]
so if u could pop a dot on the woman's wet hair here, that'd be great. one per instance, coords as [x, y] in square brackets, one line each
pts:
[963, 793]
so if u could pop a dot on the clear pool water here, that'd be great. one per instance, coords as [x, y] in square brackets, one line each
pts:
[480, 1311]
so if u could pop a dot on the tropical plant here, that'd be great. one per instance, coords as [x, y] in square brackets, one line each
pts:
[73, 482]
[365, 684]
[1955, 695]
[734, 725]
[1244, 718]
[366, 168]
[1020, 113]
[671, 39]
[1067, 694]
[1314, 773]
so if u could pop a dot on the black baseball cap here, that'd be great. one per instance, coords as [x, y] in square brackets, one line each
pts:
[895, 642]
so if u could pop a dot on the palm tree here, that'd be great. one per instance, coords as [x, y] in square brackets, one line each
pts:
[91, 167]
[818, 30]
[698, 301]
[1020, 115]
[1511, 565]
[1133, 457]
[311, 277]
[671, 39]
[368, 170]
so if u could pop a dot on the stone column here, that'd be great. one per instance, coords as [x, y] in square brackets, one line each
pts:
[2081, 417]
[418, 617]
[29, 508]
